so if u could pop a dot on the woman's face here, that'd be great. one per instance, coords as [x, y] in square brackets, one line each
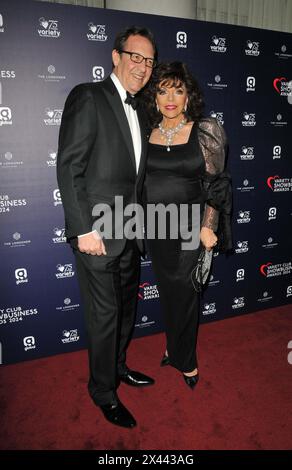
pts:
[171, 99]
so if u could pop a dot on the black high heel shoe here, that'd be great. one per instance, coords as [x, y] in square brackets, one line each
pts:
[165, 361]
[192, 380]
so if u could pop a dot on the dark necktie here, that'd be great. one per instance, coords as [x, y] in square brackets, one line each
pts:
[131, 100]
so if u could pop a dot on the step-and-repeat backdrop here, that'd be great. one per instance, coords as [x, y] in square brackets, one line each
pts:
[45, 50]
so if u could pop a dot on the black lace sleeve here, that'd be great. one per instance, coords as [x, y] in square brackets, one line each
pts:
[216, 181]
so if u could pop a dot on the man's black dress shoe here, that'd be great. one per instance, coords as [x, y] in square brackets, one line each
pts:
[165, 361]
[192, 380]
[136, 379]
[117, 413]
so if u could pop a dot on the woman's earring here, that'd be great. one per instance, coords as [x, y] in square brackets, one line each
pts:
[185, 106]
[157, 107]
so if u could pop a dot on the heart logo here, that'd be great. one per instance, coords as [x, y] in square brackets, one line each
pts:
[277, 82]
[45, 24]
[263, 267]
[58, 232]
[66, 333]
[249, 44]
[93, 29]
[216, 41]
[244, 150]
[53, 155]
[246, 116]
[236, 301]
[60, 268]
[50, 113]
[239, 244]
[270, 181]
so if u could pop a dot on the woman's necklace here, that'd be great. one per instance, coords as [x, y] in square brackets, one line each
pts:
[169, 134]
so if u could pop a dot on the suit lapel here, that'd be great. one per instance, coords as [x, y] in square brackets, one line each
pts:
[116, 104]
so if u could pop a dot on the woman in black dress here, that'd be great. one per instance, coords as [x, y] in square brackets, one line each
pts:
[186, 156]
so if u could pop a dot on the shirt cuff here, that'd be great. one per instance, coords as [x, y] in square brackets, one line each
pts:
[88, 233]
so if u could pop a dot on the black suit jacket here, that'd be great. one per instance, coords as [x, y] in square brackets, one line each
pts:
[96, 158]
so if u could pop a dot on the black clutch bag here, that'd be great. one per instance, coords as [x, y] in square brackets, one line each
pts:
[201, 271]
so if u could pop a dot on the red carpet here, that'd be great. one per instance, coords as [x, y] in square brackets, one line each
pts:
[242, 401]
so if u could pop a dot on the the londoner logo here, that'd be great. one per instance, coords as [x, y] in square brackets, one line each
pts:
[148, 291]
[48, 28]
[282, 86]
[277, 184]
[96, 32]
[272, 270]
[252, 48]
[218, 44]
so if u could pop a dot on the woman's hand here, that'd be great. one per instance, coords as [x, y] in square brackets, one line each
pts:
[208, 238]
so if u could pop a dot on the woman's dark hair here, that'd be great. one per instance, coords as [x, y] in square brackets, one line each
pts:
[173, 74]
[122, 37]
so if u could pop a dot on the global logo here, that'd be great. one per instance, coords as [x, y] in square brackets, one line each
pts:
[98, 73]
[250, 83]
[21, 276]
[181, 39]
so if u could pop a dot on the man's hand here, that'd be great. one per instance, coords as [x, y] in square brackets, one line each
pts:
[91, 244]
[208, 238]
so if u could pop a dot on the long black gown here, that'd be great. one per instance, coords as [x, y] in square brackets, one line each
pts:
[177, 176]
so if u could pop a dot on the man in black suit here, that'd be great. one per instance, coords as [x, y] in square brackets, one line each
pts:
[102, 154]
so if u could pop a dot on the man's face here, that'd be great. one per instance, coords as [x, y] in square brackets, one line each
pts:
[133, 76]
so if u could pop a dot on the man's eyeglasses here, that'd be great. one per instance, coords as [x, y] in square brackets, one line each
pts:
[138, 59]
